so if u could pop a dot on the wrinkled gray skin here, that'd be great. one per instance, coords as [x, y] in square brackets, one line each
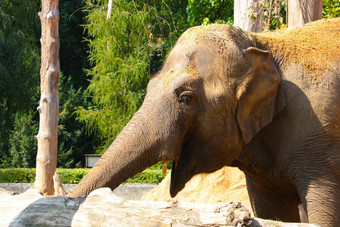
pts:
[220, 101]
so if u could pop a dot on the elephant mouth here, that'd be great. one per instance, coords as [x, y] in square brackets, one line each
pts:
[173, 183]
[181, 173]
[183, 167]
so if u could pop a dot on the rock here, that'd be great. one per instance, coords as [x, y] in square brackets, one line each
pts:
[4, 192]
[221, 186]
[133, 191]
[22, 187]
[103, 208]
[258, 222]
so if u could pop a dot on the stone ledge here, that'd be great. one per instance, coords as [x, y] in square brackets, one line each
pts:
[103, 208]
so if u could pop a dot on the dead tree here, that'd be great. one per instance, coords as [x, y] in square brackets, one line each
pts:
[248, 15]
[303, 11]
[49, 101]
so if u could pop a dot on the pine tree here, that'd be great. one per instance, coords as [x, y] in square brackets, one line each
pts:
[19, 65]
[119, 55]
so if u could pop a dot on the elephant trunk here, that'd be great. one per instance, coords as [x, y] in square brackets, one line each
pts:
[135, 148]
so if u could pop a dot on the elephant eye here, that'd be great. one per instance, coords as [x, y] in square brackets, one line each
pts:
[185, 98]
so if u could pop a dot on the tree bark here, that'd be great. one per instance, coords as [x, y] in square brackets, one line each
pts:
[49, 101]
[248, 15]
[58, 186]
[303, 11]
[109, 9]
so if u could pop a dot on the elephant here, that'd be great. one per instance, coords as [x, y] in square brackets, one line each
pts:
[228, 98]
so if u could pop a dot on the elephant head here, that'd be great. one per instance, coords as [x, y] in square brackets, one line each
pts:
[213, 95]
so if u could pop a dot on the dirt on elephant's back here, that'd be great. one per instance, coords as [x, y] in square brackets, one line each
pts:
[316, 46]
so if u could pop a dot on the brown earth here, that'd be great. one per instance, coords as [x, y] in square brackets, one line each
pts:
[224, 185]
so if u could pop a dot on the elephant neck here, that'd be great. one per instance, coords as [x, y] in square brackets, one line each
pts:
[260, 162]
[254, 159]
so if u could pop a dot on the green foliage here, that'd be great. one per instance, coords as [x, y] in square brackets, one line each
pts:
[19, 84]
[274, 18]
[168, 21]
[23, 175]
[72, 139]
[124, 51]
[73, 176]
[73, 50]
[148, 176]
[23, 145]
[331, 8]
[120, 72]
[17, 175]
[211, 11]
[19, 63]
[159, 166]
[73, 142]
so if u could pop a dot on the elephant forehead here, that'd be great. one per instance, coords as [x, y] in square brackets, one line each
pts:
[219, 35]
[199, 49]
[177, 75]
[198, 32]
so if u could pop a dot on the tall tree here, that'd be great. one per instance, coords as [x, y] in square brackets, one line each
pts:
[120, 59]
[19, 83]
[19, 65]
[303, 11]
[49, 101]
[73, 142]
[248, 15]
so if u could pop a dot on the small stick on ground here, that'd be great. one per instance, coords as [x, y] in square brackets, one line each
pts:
[58, 186]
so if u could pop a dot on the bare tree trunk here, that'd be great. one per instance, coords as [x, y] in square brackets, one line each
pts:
[303, 11]
[108, 16]
[109, 9]
[248, 15]
[49, 100]
[277, 14]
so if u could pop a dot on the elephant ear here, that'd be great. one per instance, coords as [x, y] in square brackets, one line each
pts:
[259, 95]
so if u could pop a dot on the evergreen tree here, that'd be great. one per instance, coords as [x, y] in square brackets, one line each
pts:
[18, 116]
[73, 49]
[73, 142]
[19, 64]
[211, 11]
[23, 145]
[120, 66]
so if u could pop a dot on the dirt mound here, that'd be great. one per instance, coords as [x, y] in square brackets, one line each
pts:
[224, 185]
[315, 46]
